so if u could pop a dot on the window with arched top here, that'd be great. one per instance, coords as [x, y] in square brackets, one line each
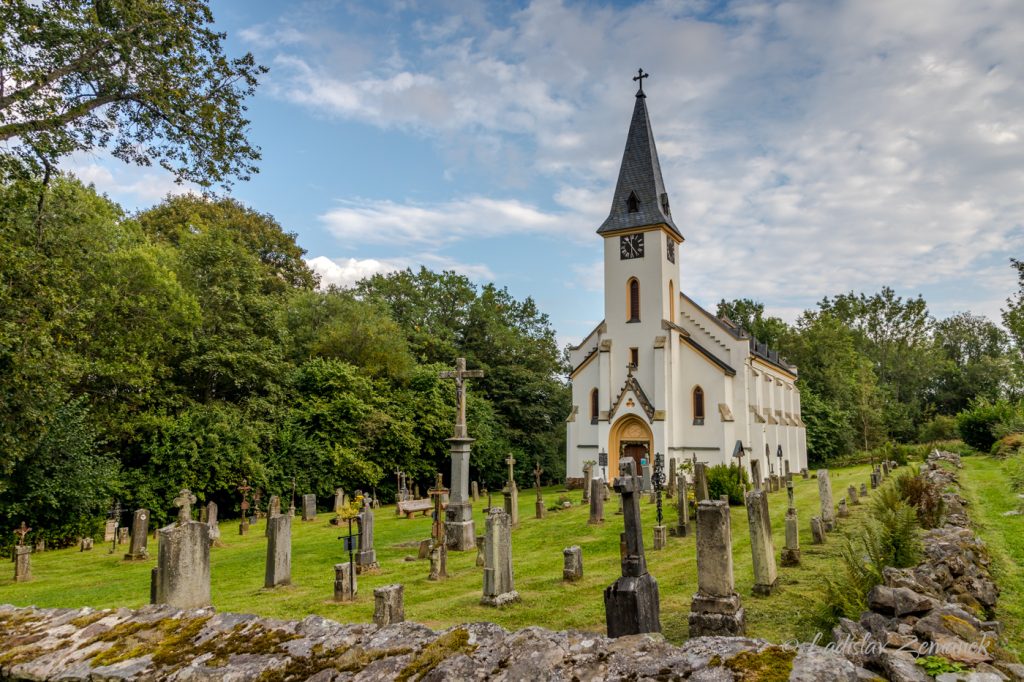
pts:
[632, 203]
[593, 406]
[633, 300]
[671, 301]
[698, 406]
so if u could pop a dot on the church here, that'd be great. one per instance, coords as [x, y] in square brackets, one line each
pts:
[661, 374]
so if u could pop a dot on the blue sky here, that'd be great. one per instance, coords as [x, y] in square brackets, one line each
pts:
[809, 148]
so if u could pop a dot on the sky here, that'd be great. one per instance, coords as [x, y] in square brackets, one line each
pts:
[809, 148]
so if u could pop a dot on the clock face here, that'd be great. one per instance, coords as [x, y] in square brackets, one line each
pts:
[670, 250]
[631, 246]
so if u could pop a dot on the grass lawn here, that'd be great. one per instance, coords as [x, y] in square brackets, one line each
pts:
[988, 490]
[68, 578]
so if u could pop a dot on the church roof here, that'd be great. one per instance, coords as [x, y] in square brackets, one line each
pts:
[640, 198]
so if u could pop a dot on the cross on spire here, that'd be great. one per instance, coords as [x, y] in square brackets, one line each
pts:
[460, 374]
[640, 76]
[184, 502]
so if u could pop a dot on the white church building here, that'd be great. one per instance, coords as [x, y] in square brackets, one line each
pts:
[660, 374]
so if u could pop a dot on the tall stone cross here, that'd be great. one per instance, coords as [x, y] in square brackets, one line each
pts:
[21, 531]
[511, 461]
[459, 375]
[184, 502]
[537, 471]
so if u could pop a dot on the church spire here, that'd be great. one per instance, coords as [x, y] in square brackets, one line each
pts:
[640, 198]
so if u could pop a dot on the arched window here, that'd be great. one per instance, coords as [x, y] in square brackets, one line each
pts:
[633, 300]
[593, 406]
[671, 301]
[698, 406]
[632, 203]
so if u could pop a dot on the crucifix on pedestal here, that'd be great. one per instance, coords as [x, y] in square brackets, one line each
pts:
[459, 515]
[459, 375]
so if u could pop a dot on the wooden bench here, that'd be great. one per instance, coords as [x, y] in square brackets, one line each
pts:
[410, 507]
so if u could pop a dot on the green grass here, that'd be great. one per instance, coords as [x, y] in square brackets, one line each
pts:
[987, 488]
[67, 578]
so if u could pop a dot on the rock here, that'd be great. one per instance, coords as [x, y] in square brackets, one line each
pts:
[899, 666]
[898, 601]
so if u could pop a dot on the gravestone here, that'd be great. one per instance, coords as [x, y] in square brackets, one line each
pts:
[805, 473]
[211, 521]
[817, 531]
[388, 605]
[511, 504]
[851, 492]
[346, 586]
[700, 481]
[459, 515]
[438, 535]
[843, 511]
[762, 546]
[682, 528]
[863, 489]
[499, 581]
[885, 469]
[755, 473]
[539, 502]
[481, 543]
[596, 503]
[279, 551]
[660, 537]
[22, 563]
[874, 479]
[632, 604]
[202, 515]
[588, 476]
[791, 552]
[109, 530]
[788, 475]
[572, 569]
[140, 531]
[85, 545]
[309, 507]
[181, 577]
[716, 609]
[646, 471]
[366, 558]
[475, 491]
[339, 500]
[671, 491]
[122, 535]
[828, 515]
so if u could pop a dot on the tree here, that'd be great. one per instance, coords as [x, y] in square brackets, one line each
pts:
[749, 315]
[1013, 319]
[976, 363]
[147, 79]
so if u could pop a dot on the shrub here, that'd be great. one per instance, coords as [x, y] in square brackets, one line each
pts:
[1008, 446]
[977, 424]
[924, 496]
[1014, 468]
[724, 479]
[939, 428]
[897, 520]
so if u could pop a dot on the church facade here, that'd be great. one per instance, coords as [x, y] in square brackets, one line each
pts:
[660, 374]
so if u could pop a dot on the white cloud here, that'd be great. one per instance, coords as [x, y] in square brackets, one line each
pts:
[345, 272]
[130, 186]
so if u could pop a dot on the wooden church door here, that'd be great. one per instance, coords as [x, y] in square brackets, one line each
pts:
[638, 451]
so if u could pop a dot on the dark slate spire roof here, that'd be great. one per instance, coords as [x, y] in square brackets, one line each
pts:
[639, 175]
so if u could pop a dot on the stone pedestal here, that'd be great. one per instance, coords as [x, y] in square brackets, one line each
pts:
[596, 503]
[828, 515]
[817, 531]
[22, 563]
[716, 608]
[499, 581]
[339, 500]
[572, 569]
[791, 552]
[438, 561]
[671, 491]
[309, 507]
[212, 524]
[660, 537]
[279, 551]
[511, 496]
[475, 491]
[109, 531]
[805, 473]
[182, 574]
[459, 524]
[539, 510]
[243, 526]
[682, 527]
[85, 545]
[481, 541]
[389, 605]
[140, 533]
[346, 586]
[762, 546]
[122, 535]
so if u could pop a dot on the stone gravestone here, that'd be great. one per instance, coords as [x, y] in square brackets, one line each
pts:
[475, 491]
[309, 507]
[572, 569]
[279, 551]
[481, 543]
[499, 581]
[539, 502]
[762, 546]
[388, 605]
[22, 556]
[885, 469]
[459, 514]
[122, 535]
[181, 577]
[339, 500]
[438, 535]
[843, 511]
[805, 473]
[791, 553]
[828, 515]
[211, 521]
[273, 509]
[140, 531]
[345, 584]
[851, 492]
[646, 472]
[863, 489]
[109, 530]
[588, 475]
[631, 604]
[755, 473]
[596, 503]
[85, 545]
[682, 528]
[700, 481]
[716, 609]
[511, 493]
[670, 493]
[366, 558]
[817, 531]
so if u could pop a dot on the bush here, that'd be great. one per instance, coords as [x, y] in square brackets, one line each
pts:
[724, 479]
[939, 428]
[922, 495]
[1014, 469]
[1008, 446]
[977, 425]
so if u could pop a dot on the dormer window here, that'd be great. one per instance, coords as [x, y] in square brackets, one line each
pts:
[632, 203]
[664, 204]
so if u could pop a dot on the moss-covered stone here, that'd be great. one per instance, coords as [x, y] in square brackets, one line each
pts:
[772, 664]
[447, 645]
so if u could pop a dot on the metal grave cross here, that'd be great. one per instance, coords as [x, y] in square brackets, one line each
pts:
[21, 531]
[437, 493]
[244, 489]
[459, 375]
[778, 453]
[184, 502]
[738, 452]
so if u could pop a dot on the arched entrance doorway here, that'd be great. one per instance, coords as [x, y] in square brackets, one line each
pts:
[630, 437]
